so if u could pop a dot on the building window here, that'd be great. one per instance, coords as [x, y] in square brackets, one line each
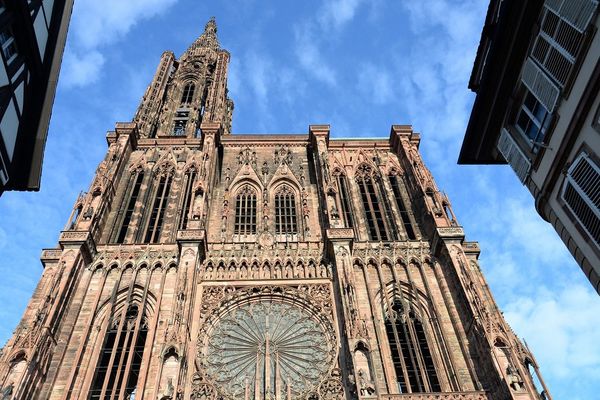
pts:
[188, 94]
[285, 211]
[533, 120]
[159, 208]
[134, 191]
[377, 227]
[181, 118]
[188, 185]
[245, 211]
[561, 36]
[404, 215]
[9, 47]
[413, 363]
[582, 196]
[120, 359]
[345, 203]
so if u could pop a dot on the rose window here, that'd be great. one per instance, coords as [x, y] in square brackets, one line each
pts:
[267, 349]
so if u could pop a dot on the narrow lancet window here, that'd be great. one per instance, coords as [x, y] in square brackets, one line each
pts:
[120, 359]
[404, 215]
[133, 196]
[188, 94]
[188, 185]
[373, 209]
[158, 210]
[285, 212]
[245, 211]
[413, 363]
[345, 201]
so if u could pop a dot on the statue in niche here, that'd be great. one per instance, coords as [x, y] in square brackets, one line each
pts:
[513, 378]
[365, 384]
[169, 390]
[325, 166]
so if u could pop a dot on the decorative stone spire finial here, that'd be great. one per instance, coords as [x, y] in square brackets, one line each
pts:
[208, 39]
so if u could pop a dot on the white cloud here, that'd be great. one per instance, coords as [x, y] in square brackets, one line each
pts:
[338, 12]
[562, 330]
[310, 56]
[95, 24]
[81, 70]
[375, 82]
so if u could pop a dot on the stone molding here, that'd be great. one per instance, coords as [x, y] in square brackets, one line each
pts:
[340, 234]
[436, 396]
[50, 255]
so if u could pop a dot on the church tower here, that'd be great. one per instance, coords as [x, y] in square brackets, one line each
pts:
[206, 265]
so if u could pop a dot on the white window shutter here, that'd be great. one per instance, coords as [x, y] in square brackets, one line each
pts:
[538, 83]
[581, 194]
[513, 155]
[577, 13]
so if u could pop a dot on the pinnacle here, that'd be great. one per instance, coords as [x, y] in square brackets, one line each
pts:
[208, 38]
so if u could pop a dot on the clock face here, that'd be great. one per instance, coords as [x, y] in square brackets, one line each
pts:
[267, 349]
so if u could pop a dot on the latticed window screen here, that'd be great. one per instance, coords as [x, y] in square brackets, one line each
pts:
[345, 203]
[404, 215]
[582, 196]
[245, 211]
[159, 208]
[188, 185]
[285, 211]
[373, 208]
[411, 356]
[118, 366]
[188, 94]
[133, 190]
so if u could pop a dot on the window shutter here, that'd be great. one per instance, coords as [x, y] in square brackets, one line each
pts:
[513, 155]
[577, 13]
[538, 83]
[582, 196]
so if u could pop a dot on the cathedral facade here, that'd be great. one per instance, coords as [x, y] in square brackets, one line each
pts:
[208, 265]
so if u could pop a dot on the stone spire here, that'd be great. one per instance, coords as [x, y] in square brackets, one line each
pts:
[208, 39]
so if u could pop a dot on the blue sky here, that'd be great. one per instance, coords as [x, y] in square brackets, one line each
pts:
[357, 65]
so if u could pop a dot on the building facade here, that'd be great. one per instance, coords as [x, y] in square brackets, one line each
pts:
[208, 265]
[32, 40]
[537, 79]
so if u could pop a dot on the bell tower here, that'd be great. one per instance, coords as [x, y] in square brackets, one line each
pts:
[188, 91]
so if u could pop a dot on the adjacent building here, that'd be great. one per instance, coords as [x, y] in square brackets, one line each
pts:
[537, 79]
[32, 40]
[203, 264]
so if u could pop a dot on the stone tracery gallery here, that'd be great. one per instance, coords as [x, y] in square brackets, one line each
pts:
[208, 265]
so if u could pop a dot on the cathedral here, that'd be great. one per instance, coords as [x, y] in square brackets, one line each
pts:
[202, 264]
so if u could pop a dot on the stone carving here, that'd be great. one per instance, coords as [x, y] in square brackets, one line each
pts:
[294, 341]
[365, 384]
[514, 378]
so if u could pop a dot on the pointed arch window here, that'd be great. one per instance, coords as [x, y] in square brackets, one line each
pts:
[411, 356]
[188, 197]
[404, 215]
[188, 94]
[133, 191]
[345, 203]
[285, 211]
[245, 211]
[374, 210]
[120, 359]
[159, 207]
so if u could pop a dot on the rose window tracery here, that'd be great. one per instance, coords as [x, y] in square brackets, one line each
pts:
[267, 348]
